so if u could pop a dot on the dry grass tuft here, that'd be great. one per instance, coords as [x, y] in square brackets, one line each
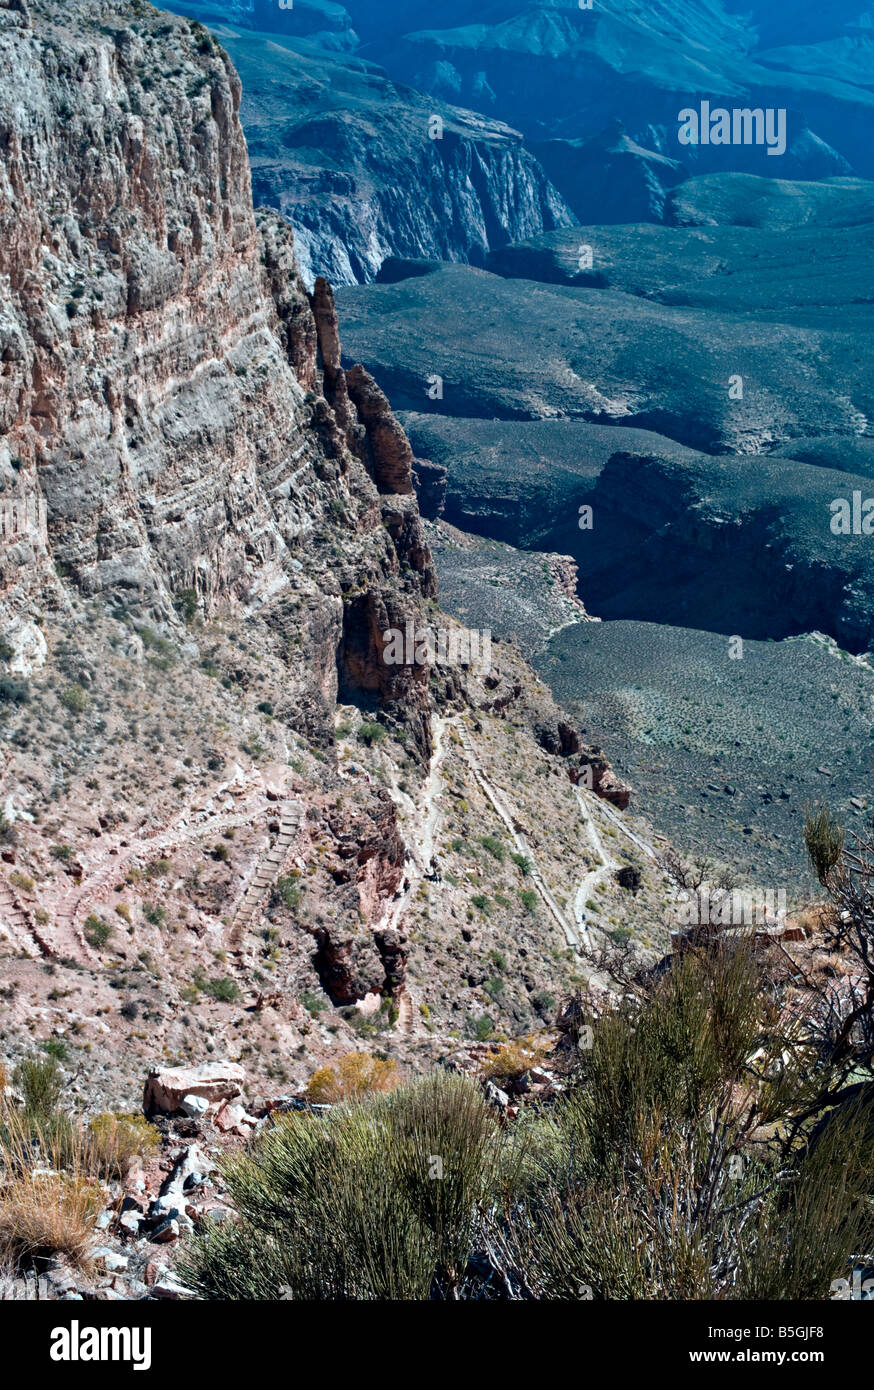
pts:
[43, 1214]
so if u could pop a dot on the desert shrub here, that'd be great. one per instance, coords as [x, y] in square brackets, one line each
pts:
[494, 846]
[684, 1161]
[14, 692]
[286, 892]
[656, 1188]
[74, 699]
[313, 1003]
[370, 732]
[355, 1076]
[41, 1083]
[186, 604]
[223, 988]
[96, 931]
[114, 1140]
[451, 1160]
[379, 1200]
[824, 839]
[38, 1131]
[512, 1059]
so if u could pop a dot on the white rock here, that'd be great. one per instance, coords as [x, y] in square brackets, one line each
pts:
[29, 648]
[113, 1262]
[194, 1106]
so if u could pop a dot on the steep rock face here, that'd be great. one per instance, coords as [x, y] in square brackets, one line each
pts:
[162, 385]
[366, 169]
[199, 553]
[390, 453]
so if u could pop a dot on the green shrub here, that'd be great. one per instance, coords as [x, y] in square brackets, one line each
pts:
[382, 1199]
[370, 732]
[97, 932]
[41, 1083]
[74, 699]
[116, 1139]
[824, 839]
[494, 846]
[651, 1188]
[286, 892]
[14, 692]
[186, 604]
[225, 990]
[313, 1003]
[673, 1167]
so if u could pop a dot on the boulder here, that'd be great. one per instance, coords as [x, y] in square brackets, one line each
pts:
[168, 1087]
[234, 1119]
[194, 1106]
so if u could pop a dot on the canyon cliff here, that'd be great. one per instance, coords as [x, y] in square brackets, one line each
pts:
[214, 784]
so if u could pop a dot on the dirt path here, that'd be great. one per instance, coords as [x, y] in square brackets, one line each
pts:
[511, 823]
[577, 935]
[588, 884]
[612, 814]
[267, 871]
[17, 924]
[110, 869]
[420, 858]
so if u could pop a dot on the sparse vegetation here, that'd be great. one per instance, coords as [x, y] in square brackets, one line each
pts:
[97, 932]
[370, 732]
[355, 1076]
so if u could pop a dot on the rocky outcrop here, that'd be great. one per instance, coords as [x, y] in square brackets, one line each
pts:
[431, 481]
[167, 1087]
[388, 449]
[597, 773]
[611, 178]
[171, 397]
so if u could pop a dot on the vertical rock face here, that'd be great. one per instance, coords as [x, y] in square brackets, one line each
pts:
[366, 169]
[168, 391]
[389, 449]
